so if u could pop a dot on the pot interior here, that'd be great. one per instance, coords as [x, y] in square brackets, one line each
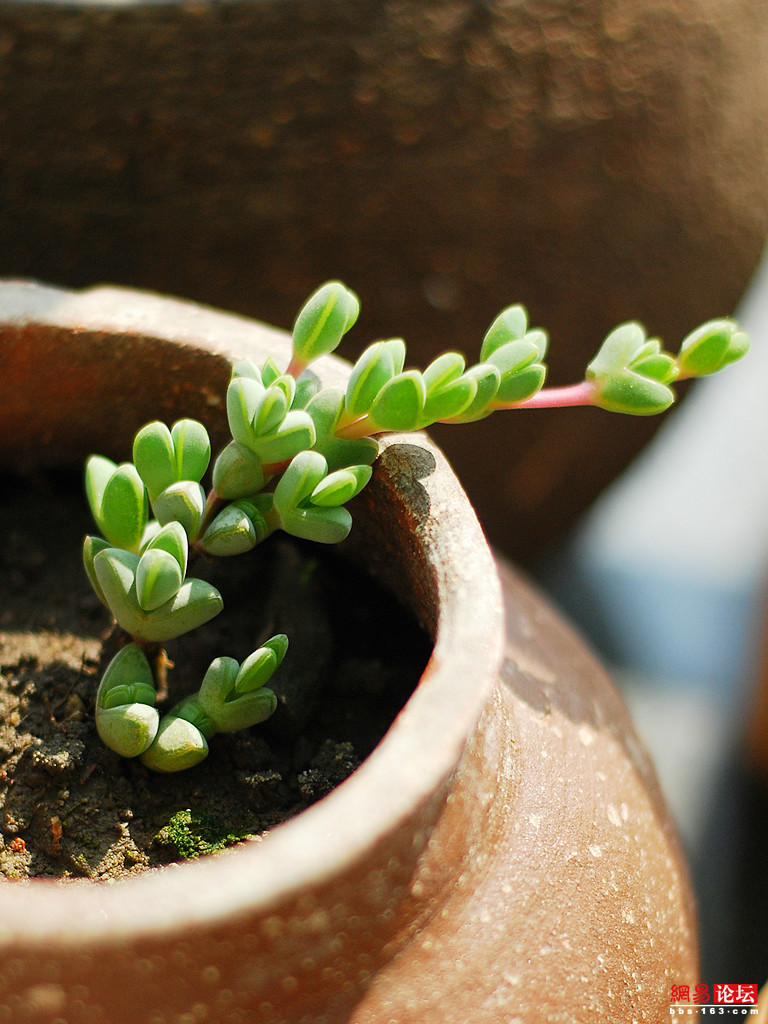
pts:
[82, 372]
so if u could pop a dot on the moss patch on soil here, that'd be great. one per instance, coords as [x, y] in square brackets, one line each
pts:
[70, 808]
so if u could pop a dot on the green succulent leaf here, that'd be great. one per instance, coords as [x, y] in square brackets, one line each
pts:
[522, 374]
[171, 538]
[154, 457]
[259, 667]
[182, 502]
[126, 718]
[271, 412]
[247, 368]
[400, 403]
[510, 325]
[237, 472]
[378, 364]
[158, 578]
[444, 370]
[179, 744]
[244, 397]
[91, 547]
[320, 525]
[98, 471]
[236, 529]
[710, 347]
[450, 400]
[299, 480]
[118, 501]
[617, 373]
[324, 319]
[195, 603]
[341, 486]
[295, 434]
[292, 503]
[326, 408]
[270, 371]
[192, 449]
[487, 379]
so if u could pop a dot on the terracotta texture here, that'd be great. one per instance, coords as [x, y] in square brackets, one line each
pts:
[504, 854]
[598, 161]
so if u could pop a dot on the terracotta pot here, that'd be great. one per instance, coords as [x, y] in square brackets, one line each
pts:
[445, 158]
[503, 855]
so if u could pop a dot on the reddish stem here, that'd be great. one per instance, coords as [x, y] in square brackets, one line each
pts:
[556, 398]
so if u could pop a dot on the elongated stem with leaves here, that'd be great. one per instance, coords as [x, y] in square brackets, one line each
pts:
[298, 454]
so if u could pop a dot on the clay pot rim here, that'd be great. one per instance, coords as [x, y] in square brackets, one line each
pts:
[413, 761]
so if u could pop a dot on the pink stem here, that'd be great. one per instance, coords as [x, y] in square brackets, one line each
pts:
[554, 398]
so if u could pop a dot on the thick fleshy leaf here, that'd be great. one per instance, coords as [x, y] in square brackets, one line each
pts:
[632, 394]
[271, 412]
[128, 677]
[124, 508]
[487, 379]
[521, 384]
[378, 364]
[299, 480]
[129, 729]
[710, 347]
[321, 525]
[444, 370]
[195, 603]
[400, 403]
[450, 400]
[172, 538]
[510, 325]
[660, 366]
[237, 472]
[192, 449]
[236, 529]
[244, 397]
[91, 547]
[295, 434]
[325, 409]
[247, 368]
[154, 458]
[182, 502]
[251, 708]
[158, 578]
[126, 718]
[617, 351]
[323, 320]
[98, 470]
[259, 667]
[341, 486]
[233, 697]
[178, 745]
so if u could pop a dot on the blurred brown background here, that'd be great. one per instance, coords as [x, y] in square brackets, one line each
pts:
[597, 161]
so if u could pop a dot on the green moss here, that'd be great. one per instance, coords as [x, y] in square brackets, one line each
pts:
[192, 834]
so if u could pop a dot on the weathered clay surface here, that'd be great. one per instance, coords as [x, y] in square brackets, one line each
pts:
[597, 161]
[502, 856]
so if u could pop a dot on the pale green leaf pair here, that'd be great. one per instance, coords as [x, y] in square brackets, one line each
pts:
[322, 322]
[261, 419]
[231, 697]
[307, 499]
[146, 601]
[631, 373]
[239, 527]
[711, 347]
[165, 457]
[118, 501]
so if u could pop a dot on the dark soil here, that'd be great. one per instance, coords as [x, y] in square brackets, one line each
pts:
[71, 808]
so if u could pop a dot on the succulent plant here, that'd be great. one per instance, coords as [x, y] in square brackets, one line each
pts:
[297, 456]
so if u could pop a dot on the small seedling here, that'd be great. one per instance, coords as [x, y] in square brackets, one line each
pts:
[298, 454]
